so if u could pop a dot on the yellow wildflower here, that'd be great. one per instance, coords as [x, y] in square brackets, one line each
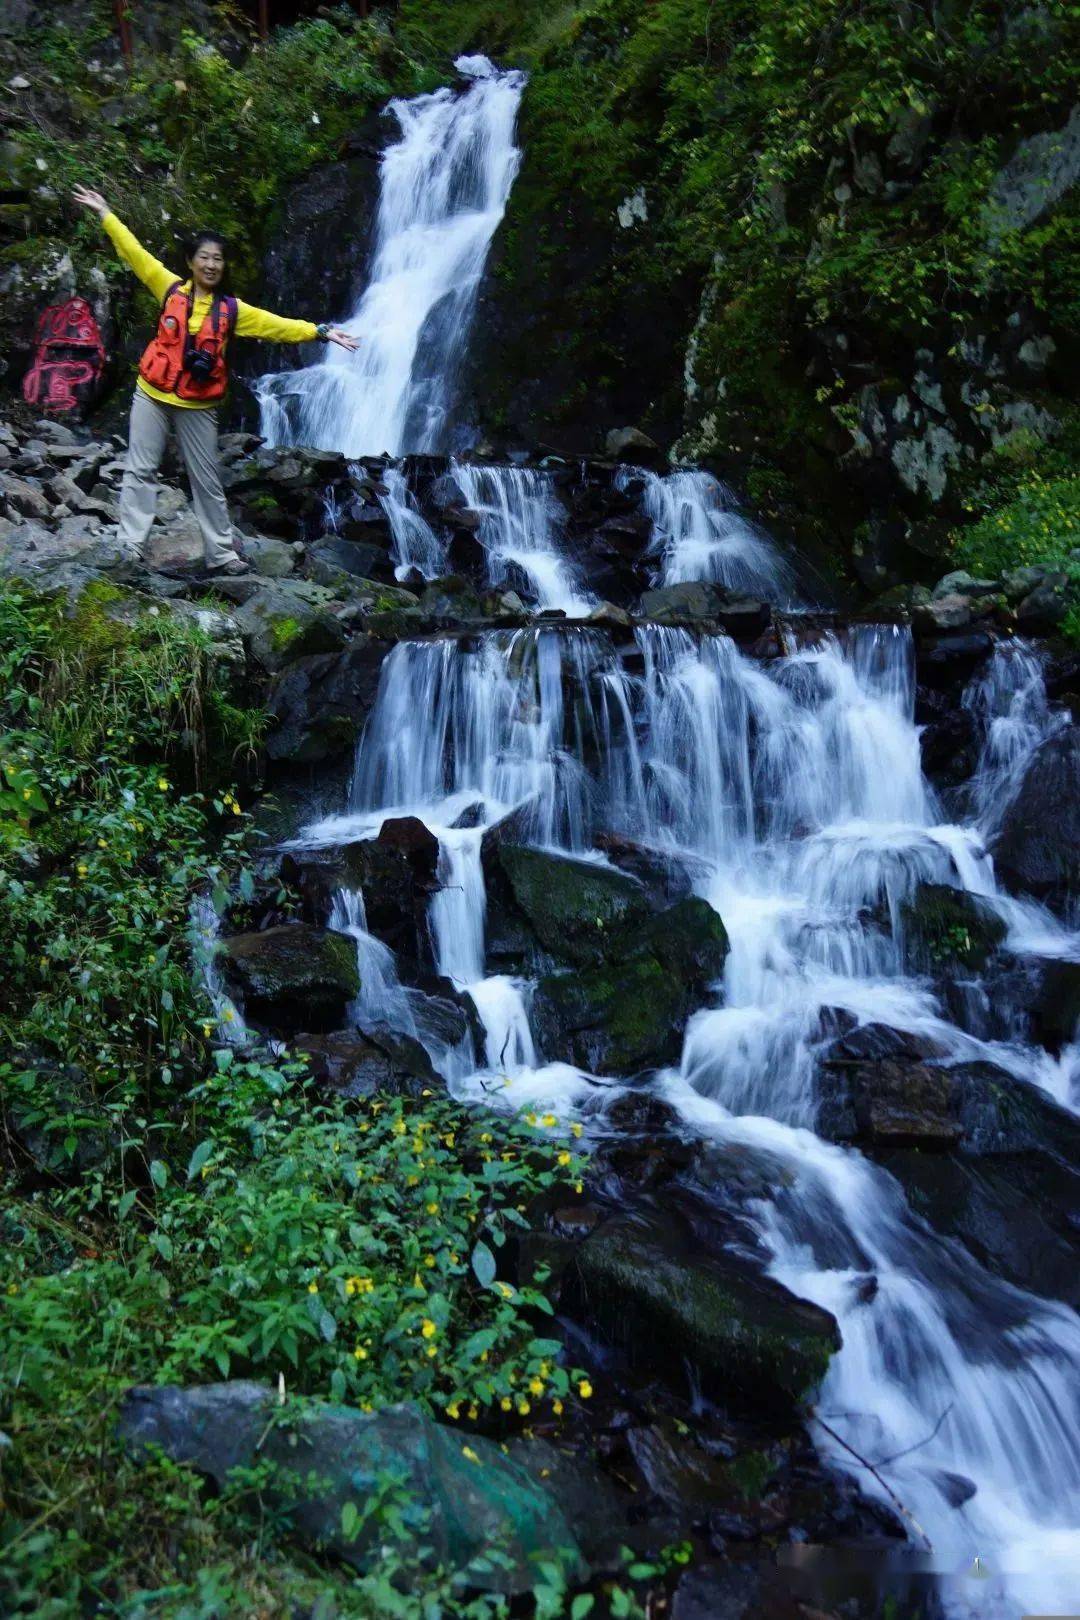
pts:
[428, 1328]
[584, 1389]
[467, 1451]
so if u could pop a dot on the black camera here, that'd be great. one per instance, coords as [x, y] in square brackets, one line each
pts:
[199, 365]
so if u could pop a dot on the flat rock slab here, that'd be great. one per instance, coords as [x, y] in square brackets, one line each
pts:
[463, 1497]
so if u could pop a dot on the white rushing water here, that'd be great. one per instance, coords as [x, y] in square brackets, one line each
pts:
[521, 530]
[416, 546]
[793, 795]
[699, 533]
[444, 188]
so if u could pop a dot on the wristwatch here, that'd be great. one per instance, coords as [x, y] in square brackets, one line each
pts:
[322, 331]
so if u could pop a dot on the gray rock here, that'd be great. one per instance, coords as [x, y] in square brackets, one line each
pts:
[692, 599]
[1020, 582]
[1046, 606]
[23, 499]
[1039, 173]
[944, 613]
[270, 558]
[630, 444]
[961, 583]
[289, 619]
[325, 1457]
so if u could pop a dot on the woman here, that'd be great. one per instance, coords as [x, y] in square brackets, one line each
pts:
[183, 375]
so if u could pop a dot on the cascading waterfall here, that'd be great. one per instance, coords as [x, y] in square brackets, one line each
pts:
[416, 546]
[794, 797]
[521, 520]
[444, 188]
[698, 533]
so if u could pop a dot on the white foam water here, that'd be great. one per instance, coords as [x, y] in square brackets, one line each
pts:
[521, 524]
[698, 533]
[416, 548]
[443, 191]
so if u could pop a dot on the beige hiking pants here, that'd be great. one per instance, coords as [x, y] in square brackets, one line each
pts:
[196, 434]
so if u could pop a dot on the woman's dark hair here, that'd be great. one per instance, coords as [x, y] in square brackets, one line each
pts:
[198, 239]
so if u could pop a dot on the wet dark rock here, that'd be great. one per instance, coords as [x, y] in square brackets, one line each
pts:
[947, 737]
[645, 1285]
[355, 1063]
[717, 1592]
[948, 659]
[1055, 1012]
[686, 1474]
[396, 892]
[947, 930]
[1037, 849]
[586, 1497]
[1006, 1187]
[319, 704]
[323, 1457]
[889, 1101]
[629, 1013]
[293, 977]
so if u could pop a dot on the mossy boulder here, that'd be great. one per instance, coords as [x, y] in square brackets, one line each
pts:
[947, 930]
[644, 1286]
[573, 908]
[294, 977]
[629, 1013]
[459, 1501]
[286, 620]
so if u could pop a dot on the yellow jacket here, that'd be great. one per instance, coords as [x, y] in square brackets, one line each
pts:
[250, 321]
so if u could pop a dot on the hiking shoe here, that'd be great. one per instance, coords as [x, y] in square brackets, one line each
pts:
[235, 566]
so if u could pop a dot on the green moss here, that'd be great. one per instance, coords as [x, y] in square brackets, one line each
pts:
[948, 928]
[284, 632]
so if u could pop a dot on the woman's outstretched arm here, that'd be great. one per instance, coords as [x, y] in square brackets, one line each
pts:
[150, 271]
[253, 322]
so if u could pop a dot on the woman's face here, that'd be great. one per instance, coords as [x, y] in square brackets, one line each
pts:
[207, 264]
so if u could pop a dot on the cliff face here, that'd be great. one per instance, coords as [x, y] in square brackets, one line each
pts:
[829, 252]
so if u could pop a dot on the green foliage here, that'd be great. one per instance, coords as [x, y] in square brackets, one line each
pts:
[1039, 525]
[1025, 508]
[174, 1210]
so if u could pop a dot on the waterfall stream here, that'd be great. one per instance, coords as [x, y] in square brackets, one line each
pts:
[444, 190]
[793, 796]
[789, 795]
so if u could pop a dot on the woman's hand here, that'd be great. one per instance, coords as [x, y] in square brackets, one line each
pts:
[90, 199]
[344, 341]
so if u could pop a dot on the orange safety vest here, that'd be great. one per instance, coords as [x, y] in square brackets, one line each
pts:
[163, 362]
